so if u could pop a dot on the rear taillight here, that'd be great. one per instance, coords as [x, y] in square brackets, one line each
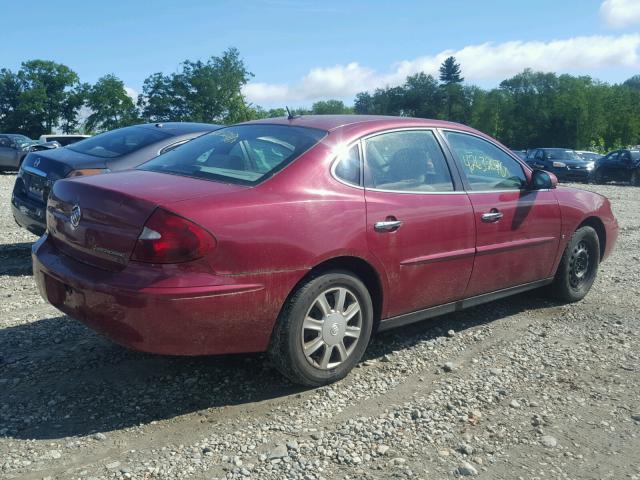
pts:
[170, 238]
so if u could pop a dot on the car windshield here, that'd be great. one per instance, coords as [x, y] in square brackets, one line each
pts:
[562, 154]
[117, 143]
[635, 154]
[590, 156]
[22, 140]
[245, 154]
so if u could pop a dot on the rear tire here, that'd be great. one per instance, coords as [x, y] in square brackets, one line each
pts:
[635, 177]
[323, 329]
[578, 266]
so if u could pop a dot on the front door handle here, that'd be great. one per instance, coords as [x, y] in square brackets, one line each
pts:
[387, 226]
[493, 216]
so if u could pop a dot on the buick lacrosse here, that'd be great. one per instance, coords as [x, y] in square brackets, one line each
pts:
[303, 236]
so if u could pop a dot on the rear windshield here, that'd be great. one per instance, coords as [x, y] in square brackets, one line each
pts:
[635, 154]
[245, 154]
[118, 142]
[64, 141]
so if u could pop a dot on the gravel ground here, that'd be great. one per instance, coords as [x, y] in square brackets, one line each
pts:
[519, 388]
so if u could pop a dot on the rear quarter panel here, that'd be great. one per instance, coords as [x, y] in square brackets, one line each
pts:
[284, 227]
[576, 206]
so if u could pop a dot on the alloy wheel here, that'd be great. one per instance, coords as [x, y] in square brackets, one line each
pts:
[331, 328]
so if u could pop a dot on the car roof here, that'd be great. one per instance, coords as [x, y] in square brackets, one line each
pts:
[179, 128]
[334, 122]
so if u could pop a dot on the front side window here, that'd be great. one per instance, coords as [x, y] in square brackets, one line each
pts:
[611, 157]
[245, 154]
[406, 161]
[117, 143]
[485, 165]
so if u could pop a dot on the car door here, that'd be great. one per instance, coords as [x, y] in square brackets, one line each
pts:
[517, 229]
[623, 166]
[419, 220]
[7, 152]
[607, 166]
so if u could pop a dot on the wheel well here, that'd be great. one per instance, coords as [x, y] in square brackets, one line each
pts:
[598, 226]
[361, 269]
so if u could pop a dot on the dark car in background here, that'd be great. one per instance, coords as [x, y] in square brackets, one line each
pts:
[520, 153]
[565, 163]
[619, 165]
[119, 149]
[13, 149]
[589, 156]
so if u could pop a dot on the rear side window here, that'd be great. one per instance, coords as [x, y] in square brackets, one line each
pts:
[348, 166]
[406, 161]
[245, 154]
[117, 143]
[485, 165]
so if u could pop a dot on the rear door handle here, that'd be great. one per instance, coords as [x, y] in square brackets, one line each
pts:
[387, 226]
[493, 216]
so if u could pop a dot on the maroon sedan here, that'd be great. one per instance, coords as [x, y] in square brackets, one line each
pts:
[301, 237]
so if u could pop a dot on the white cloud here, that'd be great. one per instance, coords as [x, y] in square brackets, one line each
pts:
[480, 63]
[620, 13]
[131, 92]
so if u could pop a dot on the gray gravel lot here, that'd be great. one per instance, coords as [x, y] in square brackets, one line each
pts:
[519, 388]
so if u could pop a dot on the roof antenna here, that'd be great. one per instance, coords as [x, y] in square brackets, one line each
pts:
[290, 116]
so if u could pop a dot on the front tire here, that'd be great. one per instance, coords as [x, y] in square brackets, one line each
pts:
[598, 178]
[635, 177]
[578, 266]
[323, 329]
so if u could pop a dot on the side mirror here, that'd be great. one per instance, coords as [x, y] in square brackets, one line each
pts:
[543, 180]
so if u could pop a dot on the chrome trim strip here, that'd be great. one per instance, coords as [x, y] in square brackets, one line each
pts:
[35, 171]
[411, 192]
[412, 317]
[513, 245]
[439, 257]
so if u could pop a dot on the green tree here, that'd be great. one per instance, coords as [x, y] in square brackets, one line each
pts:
[46, 89]
[325, 107]
[10, 90]
[422, 96]
[450, 71]
[633, 83]
[201, 91]
[451, 78]
[157, 102]
[110, 105]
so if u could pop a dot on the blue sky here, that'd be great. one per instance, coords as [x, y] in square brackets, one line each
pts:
[305, 50]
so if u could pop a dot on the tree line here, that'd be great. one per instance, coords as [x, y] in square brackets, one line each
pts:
[527, 110]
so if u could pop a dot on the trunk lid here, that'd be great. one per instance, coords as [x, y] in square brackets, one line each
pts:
[40, 170]
[97, 219]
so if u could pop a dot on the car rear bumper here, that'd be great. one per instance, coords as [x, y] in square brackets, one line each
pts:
[28, 213]
[232, 315]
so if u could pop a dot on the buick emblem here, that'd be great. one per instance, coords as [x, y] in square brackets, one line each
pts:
[334, 329]
[36, 162]
[76, 215]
